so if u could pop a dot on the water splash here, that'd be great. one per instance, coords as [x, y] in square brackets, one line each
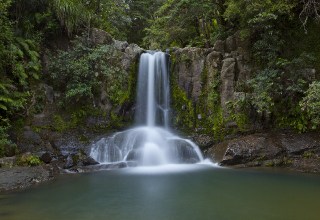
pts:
[150, 143]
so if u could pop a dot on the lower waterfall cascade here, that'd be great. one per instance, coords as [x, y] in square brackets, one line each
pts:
[150, 143]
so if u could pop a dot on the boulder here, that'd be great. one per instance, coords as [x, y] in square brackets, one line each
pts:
[250, 148]
[130, 55]
[219, 46]
[299, 152]
[202, 140]
[46, 157]
[297, 144]
[87, 161]
[120, 45]
[99, 37]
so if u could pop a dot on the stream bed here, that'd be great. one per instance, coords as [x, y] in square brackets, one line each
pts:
[170, 192]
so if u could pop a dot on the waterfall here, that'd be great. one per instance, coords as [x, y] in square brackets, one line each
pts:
[150, 143]
[153, 90]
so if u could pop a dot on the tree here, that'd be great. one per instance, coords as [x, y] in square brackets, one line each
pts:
[310, 9]
[182, 23]
[140, 13]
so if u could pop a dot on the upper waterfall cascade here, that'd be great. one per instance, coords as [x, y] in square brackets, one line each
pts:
[150, 143]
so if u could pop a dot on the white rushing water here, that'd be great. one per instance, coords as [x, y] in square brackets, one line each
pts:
[150, 143]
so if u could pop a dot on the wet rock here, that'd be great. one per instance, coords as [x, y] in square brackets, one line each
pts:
[250, 148]
[69, 163]
[202, 140]
[295, 151]
[21, 177]
[46, 157]
[296, 144]
[87, 161]
[217, 151]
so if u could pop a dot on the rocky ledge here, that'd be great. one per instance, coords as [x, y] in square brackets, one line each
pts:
[299, 152]
[16, 178]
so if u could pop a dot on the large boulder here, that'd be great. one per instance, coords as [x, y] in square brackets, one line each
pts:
[99, 37]
[130, 55]
[120, 45]
[296, 151]
[250, 148]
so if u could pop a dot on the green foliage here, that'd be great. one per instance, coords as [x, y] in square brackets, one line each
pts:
[81, 71]
[72, 14]
[277, 91]
[237, 112]
[140, 12]
[28, 160]
[182, 23]
[219, 124]
[59, 124]
[264, 86]
[80, 15]
[184, 111]
[7, 148]
[311, 104]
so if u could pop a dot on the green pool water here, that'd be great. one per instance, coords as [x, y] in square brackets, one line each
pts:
[169, 193]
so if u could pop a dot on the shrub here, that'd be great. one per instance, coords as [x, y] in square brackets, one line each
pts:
[83, 71]
[28, 160]
[311, 104]
[7, 148]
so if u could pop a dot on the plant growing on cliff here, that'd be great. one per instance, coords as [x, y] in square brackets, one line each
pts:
[7, 148]
[311, 104]
[83, 72]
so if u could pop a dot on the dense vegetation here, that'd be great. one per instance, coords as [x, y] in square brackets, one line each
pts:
[283, 35]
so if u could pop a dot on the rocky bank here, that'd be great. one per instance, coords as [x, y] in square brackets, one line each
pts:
[299, 152]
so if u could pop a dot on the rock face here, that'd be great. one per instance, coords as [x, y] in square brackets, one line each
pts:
[227, 81]
[189, 66]
[215, 73]
[296, 151]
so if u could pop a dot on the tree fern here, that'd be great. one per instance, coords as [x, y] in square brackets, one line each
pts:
[72, 14]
